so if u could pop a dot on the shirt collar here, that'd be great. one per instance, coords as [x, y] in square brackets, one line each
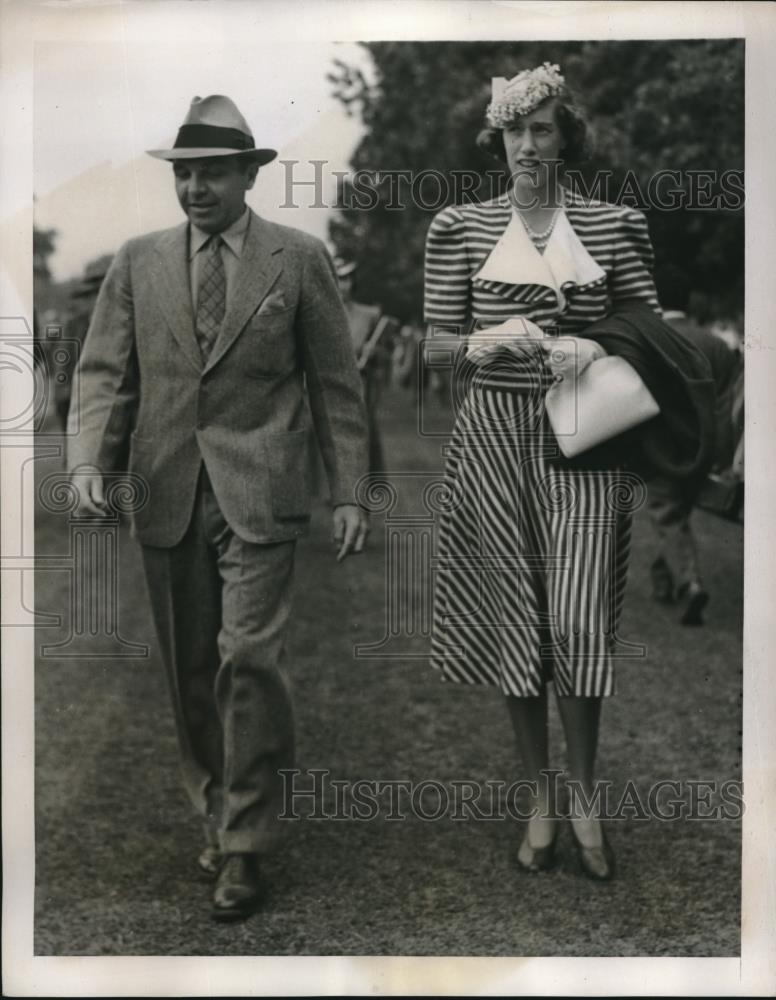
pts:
[514, 260]
[233, 237]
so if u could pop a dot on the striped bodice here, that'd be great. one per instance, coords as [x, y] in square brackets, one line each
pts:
[462, 237]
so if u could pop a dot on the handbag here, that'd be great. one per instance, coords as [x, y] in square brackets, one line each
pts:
[606, 399]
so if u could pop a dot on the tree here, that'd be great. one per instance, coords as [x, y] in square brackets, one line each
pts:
[653, 105]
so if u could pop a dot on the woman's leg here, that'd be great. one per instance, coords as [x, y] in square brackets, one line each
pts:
[580, 718]
[529, 721]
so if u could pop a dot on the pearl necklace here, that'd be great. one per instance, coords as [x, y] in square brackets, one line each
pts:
[544, 235]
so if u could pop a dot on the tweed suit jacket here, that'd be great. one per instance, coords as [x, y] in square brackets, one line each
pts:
[282, 359]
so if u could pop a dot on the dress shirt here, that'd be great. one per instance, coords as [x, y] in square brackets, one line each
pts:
[231, 251]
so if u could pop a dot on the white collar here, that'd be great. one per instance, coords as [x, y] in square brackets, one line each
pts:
[515, 260]
[233, 237]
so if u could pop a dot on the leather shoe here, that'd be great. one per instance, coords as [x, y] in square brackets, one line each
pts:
[238, 889]
[694, 599]
[596, 862]
[662, 581]
[209, 861]
[541, 859]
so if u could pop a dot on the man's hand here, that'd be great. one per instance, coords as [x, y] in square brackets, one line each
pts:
[350, 528]
[87, 479]
[570, 356]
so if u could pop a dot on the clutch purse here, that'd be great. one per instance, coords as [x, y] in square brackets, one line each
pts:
[607, 399]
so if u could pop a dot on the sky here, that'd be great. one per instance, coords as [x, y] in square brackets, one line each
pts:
[99, 105]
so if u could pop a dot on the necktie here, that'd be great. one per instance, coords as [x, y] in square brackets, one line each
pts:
[211, 295]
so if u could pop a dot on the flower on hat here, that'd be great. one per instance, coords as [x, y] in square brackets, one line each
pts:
[523, 93]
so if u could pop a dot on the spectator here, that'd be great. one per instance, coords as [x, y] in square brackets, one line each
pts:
[371, 333]
[675, 571]
[83, 297]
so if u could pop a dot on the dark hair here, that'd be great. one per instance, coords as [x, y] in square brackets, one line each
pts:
[577, 139]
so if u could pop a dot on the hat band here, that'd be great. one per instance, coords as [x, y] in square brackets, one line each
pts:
[212, 137]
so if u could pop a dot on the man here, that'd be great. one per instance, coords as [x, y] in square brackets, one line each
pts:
[675, 571]
[370, 333]
[203, 339]
[83, 297]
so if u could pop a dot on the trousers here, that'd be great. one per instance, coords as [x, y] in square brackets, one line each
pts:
[670, 508]
[221, 607]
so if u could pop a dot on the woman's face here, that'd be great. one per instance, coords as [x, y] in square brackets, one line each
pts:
[533, 144]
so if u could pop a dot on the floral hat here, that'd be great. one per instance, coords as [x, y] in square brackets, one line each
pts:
[523, 93]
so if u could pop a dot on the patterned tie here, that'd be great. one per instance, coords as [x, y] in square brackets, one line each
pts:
[211, 295]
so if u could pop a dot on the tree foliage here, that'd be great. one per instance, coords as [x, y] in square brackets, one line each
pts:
[653, 106]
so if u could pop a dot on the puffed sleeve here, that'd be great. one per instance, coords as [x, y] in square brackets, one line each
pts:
[447, 272]
[634, 259]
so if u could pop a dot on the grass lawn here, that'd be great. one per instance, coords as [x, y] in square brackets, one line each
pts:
[116, 840]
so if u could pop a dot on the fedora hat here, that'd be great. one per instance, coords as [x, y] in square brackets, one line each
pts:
[214, 127]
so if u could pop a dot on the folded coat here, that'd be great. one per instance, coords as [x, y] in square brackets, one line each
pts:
[680, 442]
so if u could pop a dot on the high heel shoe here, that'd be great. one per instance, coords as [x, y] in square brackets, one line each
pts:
[542, 858]
[596, 862]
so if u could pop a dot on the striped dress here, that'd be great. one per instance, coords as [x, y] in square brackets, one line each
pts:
[532, 555]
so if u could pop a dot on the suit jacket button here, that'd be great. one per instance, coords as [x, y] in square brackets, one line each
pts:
[200, 426]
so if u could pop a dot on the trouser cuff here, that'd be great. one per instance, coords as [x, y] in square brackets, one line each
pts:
[247, 842]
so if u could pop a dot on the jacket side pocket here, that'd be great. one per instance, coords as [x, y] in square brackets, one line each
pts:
[289, 475]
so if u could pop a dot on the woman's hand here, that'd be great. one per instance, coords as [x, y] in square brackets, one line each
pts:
[517, 335]
[568, 357]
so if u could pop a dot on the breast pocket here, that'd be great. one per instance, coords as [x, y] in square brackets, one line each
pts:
[268, 344]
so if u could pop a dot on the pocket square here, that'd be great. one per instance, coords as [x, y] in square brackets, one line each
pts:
[274, 302]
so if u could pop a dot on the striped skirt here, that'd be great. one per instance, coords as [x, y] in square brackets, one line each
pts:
[531, 556]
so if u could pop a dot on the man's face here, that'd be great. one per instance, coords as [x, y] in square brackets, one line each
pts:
[212, 191]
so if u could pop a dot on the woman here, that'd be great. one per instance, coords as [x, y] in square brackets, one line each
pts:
[533, 550]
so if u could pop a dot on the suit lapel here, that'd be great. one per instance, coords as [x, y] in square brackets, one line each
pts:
[257, 271]
[173, 290]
